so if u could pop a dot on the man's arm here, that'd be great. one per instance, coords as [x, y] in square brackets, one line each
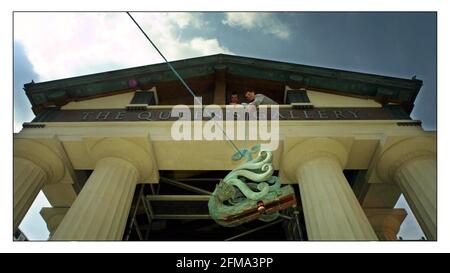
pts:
[258, 100]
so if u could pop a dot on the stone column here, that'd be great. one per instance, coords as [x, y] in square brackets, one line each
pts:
[53, 216]
[101, 209]
[386, 222]
[331, 209]
[34, 165]
[28, 181]
[411, 163]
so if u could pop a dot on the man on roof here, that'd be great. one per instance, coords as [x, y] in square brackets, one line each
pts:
[258, 99]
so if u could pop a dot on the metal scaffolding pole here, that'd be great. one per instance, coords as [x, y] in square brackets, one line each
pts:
[184, 186]
[172, 198]
[255, 229]
[133, 218]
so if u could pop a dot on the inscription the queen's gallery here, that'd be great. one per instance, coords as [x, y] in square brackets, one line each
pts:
[161, 115]
[165, 114]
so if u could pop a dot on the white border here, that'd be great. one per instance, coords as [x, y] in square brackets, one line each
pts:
[6, 244]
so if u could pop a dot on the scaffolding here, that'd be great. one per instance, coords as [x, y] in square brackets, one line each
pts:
[189, 203]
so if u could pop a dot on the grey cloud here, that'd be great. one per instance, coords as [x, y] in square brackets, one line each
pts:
[23, 73]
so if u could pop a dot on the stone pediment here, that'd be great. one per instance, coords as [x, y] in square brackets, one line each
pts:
[240, 73]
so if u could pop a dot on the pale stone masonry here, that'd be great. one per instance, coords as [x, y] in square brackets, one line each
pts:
[351, 122]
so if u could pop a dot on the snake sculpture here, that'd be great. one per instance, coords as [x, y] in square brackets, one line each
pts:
[245, 188]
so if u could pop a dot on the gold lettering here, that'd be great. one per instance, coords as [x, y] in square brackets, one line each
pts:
[144, 116]
[120, 115]
[339, 114]
[307, 116]
[85, 115]
[291, 113]
[102, 115]
[322, 114]
[354, 113]
[162, 116]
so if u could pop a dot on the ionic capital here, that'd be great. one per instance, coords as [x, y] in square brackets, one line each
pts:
[312, 149]
[402, 152]
[50, 163]
[117, 147]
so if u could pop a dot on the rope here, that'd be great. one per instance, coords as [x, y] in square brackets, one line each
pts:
[183, 82]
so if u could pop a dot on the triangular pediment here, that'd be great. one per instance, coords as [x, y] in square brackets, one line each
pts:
[323, 99]
[106, 102]
[201, 73]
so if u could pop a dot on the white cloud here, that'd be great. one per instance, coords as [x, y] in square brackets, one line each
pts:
[268, 23]
[208, 46]
[63, 45]
[183, 19]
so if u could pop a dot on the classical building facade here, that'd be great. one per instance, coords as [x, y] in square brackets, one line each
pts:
[102, 151]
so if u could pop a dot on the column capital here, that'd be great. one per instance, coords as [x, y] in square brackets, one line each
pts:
[386, 222]
[117, 147]
[53, 217]
[101, 209]
[312, 149]
[42, 156]
[402, 152]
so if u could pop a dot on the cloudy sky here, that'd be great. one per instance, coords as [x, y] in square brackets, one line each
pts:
[50, 46]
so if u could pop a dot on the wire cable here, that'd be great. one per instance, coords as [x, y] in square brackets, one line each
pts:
[183, 82]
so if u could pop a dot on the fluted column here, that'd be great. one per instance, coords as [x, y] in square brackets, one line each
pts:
[411, 164]
[331, 209]
[28, 181]
[100, 211]
[34, 166]
[417, 180]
